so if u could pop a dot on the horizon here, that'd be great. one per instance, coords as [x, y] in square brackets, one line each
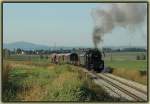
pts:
[76, 46]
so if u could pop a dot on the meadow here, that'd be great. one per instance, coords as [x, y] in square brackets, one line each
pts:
[128, 65]
[43, 81]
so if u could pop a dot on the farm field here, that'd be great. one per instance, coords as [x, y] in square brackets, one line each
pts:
[123, 55]
[42, 81]
[126, 60]
[128, 64]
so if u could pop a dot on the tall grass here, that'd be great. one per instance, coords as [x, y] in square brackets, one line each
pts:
[5, 73]
[134, 75]
[130, 69]
[7, 89]
[56, 83]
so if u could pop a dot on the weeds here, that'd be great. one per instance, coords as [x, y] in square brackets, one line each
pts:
[134, 75]
[55, 83]
[5, 73]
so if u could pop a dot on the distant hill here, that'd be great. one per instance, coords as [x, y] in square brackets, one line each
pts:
[31, 46]
[24, 46]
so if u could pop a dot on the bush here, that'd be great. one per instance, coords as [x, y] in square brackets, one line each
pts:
[137, 57]
[7, 89]
[141, 57]
[41, 56]
[143, 72]
[46, 57]
[134, 75]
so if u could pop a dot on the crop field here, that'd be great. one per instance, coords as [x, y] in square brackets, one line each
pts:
[43, 81]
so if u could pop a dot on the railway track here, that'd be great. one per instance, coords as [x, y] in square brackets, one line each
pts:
[134, 93]
[119, 88]
[144, 91]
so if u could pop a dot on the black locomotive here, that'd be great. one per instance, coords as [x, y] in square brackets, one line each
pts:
[92, 60]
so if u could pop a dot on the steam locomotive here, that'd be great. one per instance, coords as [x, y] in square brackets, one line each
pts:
[90, 59]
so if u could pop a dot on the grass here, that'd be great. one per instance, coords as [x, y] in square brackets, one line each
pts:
[134, 75]
[130, 69]
[7, 68]
[128, 64]
[123, 55]
[30, 81]
[125, 65]
[35, 58]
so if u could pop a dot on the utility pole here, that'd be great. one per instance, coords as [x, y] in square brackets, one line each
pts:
[55, 46]
[111, 56]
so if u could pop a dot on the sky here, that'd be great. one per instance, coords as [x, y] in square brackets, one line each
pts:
[63, 24]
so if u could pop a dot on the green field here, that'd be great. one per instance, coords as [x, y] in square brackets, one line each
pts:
[28, 57]
[123, 55]
[125, 60]
[129, 65]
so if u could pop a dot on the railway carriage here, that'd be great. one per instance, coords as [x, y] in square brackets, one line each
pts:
[67, 58]
[74, 58]
[61, 58]
[82, 59]
[53, 58]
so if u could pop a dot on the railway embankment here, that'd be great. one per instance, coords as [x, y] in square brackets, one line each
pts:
[122, 88]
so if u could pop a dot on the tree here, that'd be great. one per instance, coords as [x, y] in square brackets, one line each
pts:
[41, 56]
[18, 51]
[6, 53]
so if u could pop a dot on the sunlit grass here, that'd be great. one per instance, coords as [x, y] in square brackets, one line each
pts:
[134, 75]
[128, 64]
[31, 81]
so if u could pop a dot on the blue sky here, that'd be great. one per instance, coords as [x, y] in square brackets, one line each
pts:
[66, 24]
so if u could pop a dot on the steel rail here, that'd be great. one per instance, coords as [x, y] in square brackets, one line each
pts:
[139, 90]
[137, 98]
